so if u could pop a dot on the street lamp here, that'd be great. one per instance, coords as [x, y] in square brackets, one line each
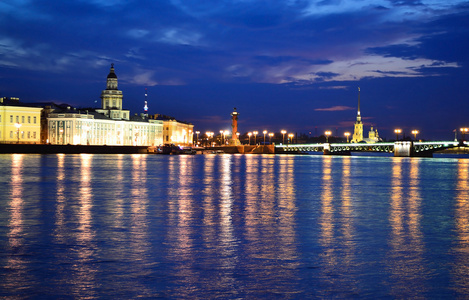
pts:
[415, 132]
[225, 134]
[264, 132]
[222, 137]
[255, 136]
[283, 135]
[197, 134]
[209, 137]
[327, 133]
[291, 135]
[270, 136]
[249, 136]
[463, 132]
[397, 131]
[347, 134]
[18, 125]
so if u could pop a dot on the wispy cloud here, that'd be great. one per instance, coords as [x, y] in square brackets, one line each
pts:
[335, 108]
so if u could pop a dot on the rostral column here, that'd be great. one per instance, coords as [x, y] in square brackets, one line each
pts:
[234, 128]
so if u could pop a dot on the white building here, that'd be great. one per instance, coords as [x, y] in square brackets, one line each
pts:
[109, 125]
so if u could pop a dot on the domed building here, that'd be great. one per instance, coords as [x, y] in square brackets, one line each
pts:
[112, 125]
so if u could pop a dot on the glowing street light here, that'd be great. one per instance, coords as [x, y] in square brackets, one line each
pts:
[397, 131]
[249, 135]
[347, 134]
[197, 134]
[225, 134]
[255, 136]
[463, 132]
[327, 133]
[18, 125]
[415, 132]
[264, 132]
[291, 135]
[209, 136]
[283, 135]
[270, 136]
[222, 137]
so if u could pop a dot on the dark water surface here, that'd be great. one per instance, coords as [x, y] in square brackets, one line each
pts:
[233, 227]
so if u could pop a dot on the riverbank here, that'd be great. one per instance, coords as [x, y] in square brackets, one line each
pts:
[70, 149]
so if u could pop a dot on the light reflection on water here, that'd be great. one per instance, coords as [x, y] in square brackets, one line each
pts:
[233, 226]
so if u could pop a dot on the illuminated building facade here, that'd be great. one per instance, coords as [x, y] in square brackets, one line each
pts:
[19, 123]
[175, 132]
[109, 125]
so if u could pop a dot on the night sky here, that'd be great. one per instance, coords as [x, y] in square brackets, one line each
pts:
[292, 64]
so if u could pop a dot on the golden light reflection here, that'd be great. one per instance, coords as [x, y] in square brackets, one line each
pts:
[336, 223]
[139, 228]
[346, 214]
[61, 200]
[84, 273]
[461, 265]
[15, 263]
[269, 214]
[326, 219]
[286, 195]
[181, 218]
[406, 245]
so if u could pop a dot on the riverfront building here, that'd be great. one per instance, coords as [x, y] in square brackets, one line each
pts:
[19, 122]
[108, 125]
[113, 125]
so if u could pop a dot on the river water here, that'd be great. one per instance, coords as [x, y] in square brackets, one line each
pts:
[233, 227]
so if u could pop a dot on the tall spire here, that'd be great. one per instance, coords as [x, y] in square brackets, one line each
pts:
[145, 108]
[358, 112]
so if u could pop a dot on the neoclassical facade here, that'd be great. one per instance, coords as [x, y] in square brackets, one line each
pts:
[108, 125]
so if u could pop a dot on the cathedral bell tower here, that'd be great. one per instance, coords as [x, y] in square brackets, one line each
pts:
[358, 129]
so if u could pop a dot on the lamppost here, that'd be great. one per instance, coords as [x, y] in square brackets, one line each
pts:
[463, 132]
[290, 136]
[197, 134]
[347, 134]
[397, 131]
[209, 137]
[225, 134]
[327, 133]
[415, 132]
[270, 136]
[255, 136]
[264, 132]
[249, 137]
[237, 135]
[222, 137]
[283, 135]
[18, 125]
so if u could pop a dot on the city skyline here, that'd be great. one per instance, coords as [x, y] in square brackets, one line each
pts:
[294, 65]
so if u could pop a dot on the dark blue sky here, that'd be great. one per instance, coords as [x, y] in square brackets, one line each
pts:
[293, 64]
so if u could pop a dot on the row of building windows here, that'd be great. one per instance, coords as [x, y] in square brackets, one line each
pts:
[23, 119]
[27, 134]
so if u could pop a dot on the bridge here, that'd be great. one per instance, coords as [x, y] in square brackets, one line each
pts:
[398, 148]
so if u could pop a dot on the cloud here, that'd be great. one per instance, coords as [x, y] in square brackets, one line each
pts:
[335, 108]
